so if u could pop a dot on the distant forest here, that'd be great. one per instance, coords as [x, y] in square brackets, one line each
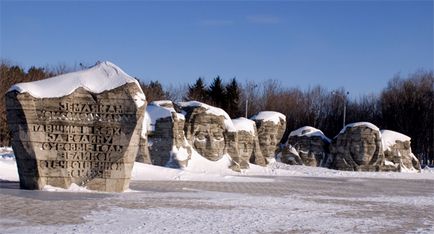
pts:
[405, 105]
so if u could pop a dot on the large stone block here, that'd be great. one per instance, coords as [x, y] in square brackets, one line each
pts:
[87, 138]
[247, 143]
[358, 147]
[306, 146]
[397, 152]
[271, 127]
[209, 130]
[167, 142]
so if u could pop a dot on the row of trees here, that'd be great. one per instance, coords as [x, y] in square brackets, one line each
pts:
[405, 105]
[225, 96]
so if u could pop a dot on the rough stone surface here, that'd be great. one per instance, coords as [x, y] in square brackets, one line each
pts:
[207, 133]
[357, 148]
[309, 151]
[167, 138]
[269, 135]
[306, 146]
[247, 143]
[206, 129]
[143, 155]
[84, 138]
[399, 157]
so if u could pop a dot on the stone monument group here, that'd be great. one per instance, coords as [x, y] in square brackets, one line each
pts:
[89, 127]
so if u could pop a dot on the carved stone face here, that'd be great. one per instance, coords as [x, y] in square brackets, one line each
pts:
[363, 148]
[209, 141]
[245, 146]
[268, 141]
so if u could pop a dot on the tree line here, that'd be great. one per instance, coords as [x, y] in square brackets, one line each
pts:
[405, 105]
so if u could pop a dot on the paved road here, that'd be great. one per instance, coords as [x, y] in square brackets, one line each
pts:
[291, 204]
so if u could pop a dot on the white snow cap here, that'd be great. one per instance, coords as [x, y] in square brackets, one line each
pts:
[211, 110]
[389, 138]
[366, 124]
[162, 103]
[97, 79]
[309, 132]
[243, 124]
[269, 116]
[155, 111]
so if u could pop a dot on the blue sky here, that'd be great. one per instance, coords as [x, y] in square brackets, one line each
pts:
[358, 45]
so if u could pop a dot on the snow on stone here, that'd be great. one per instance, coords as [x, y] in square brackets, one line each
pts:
[146, 125]
[163, 103]
[269, 116]
[309, 132]
[389, 138]
[366, 124]
[211, 110]
[243, 124]
[156, 110]
[139, 99]
[97, 79]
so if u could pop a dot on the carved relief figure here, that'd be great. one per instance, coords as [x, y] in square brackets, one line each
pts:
[358, 147]
[247, 144]
[208, 137]
[306, 146]
[207, 129]
[271, 126]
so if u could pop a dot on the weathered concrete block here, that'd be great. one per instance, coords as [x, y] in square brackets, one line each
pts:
[209, 130]
[167, 142]
[247, 143]
[271, 127]
[306, 146]
[85, 137]
[397, 152]
[358, 147]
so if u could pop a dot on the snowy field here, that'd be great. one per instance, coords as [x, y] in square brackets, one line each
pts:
[207, 198]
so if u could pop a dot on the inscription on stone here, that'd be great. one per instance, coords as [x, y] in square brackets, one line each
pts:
[83, 138]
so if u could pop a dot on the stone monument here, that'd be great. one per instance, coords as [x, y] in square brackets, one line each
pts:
[358, 147]
[271, 127]
[209, 130]
[397, 152]
[306, 146]
[167, 142]
[143, 155]
[82, 127]
[248, 144]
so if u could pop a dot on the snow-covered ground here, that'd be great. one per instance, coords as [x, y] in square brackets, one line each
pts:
[206, 197]
[221, 212]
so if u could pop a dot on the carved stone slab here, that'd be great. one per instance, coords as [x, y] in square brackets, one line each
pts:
[207, 132]
[271, 127]
[167, 142]
[397, 152]
[358, 147]
[306, 146]
[84, 138]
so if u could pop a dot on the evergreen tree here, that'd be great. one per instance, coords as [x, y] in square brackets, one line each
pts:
[153, 91]
[233, 98]
[197, 92]
[217, 93]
